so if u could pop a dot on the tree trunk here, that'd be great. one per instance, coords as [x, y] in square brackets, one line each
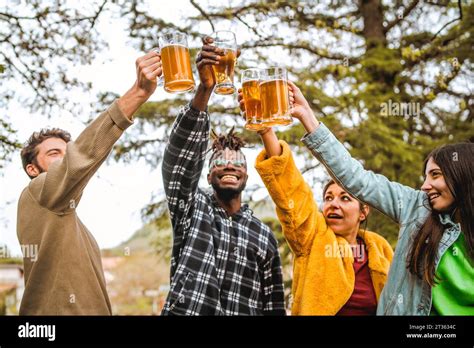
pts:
[372, 14]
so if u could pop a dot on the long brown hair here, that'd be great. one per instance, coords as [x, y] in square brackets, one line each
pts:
[456, 164]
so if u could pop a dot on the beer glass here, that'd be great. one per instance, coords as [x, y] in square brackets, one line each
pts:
[250, 79]
[224, 71]
[275, 97]
[177, 73]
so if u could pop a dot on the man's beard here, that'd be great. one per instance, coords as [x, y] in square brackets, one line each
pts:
[227, 194]
[41, 170]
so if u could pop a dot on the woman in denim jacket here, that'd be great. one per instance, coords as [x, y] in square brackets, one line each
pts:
[433, 266]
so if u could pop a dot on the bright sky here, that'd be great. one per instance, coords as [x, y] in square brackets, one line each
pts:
[111, 203]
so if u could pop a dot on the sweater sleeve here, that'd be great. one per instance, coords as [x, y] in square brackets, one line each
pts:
[296, 208]
[60, 188]
[391, 198]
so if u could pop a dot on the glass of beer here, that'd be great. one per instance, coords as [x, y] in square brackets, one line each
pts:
[177, 73]
[224, 71]
[250, 79]
[275, 97]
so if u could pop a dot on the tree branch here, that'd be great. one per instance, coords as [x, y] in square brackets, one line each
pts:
[25, 77]
[205, 15]
[94, 18]
[450, 22]
[91, 19]
[307, 169]
[315, 51]
[406, 12]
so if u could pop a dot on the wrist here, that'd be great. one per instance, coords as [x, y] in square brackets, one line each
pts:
[264, 131]
[205, 89]
[309, 122]
[137, 94]
[201, 97]
[131, 101]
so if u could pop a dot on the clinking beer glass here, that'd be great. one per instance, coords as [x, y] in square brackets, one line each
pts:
[224, 71]
[274, 96]
[177, 73]
[250, 79]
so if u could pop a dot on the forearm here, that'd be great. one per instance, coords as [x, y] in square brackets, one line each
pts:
[201, 98]
[187, 144]
[309, 122]
[270, 142]
[66, 178]
[391, 198]
[296, 209]
[131, 101]
[183, 159]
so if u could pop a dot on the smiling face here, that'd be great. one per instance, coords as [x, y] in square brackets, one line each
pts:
[440, 197]
[228, 172]
[343, 212]
[49, 151]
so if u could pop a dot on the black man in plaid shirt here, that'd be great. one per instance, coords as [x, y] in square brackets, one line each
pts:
[224, 260]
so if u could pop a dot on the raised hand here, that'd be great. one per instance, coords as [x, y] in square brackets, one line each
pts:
[209, 56]
[300, 108]
[148, 67]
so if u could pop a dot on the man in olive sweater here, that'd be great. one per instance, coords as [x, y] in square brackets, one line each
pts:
[66, 275]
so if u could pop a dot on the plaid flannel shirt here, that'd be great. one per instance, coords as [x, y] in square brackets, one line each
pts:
[220, 265]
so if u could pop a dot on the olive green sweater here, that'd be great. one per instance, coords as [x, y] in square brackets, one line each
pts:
[65, 277]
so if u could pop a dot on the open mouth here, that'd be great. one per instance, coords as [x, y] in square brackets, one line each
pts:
[334, 216]
[433, 196]
[229, 178]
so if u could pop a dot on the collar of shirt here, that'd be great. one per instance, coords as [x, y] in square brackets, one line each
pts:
[447, 221]
[244, 211]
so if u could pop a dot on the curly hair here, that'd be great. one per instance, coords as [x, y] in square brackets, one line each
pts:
[230, 141]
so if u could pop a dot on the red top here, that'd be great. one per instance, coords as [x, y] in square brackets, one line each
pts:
[363, 300]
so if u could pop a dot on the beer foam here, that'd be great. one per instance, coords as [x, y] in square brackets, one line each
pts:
[227, 48]
[273, 80]
[174, 44]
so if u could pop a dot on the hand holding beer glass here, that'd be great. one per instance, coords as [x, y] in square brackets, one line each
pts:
[269, 104]
[251, 97]
[224, 71]
[274, 95]
[177, 73]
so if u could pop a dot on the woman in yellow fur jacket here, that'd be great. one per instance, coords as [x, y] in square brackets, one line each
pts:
[339, 268]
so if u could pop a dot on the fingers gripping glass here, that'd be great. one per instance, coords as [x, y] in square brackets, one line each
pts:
[224, 71]
[274, 95]
[250, 79]
[177, 74]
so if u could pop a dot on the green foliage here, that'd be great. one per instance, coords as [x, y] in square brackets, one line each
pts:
[11, 261]
[347, 73]
[348, 90]
[8, 142]
[39, 41]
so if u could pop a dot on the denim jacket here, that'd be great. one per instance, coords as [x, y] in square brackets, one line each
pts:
[404, 293]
